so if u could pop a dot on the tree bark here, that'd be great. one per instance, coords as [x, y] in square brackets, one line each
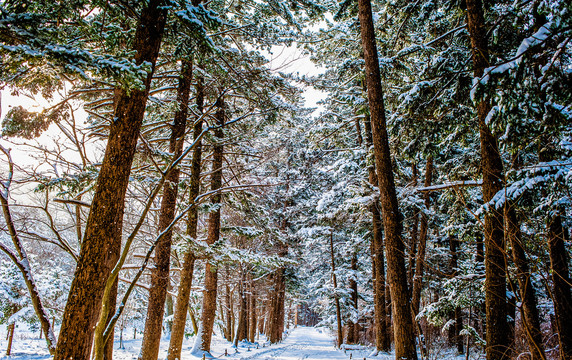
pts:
[561, 292]
[11, 329]
[160, 272]
[491, 166]
[529, 308]
[422, 243]
[382, 335]
[184, 292]
[404, 333]
[229, 323]
[203, 341]
[252, 325]
[104, 224]
[353, 327]
[242, 330]
[414, 240]
[336, 297]
[455, 339]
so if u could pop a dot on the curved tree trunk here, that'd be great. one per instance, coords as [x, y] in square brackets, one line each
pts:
[104, 224]
[160, 273]
[404, 331]
[491, 166]
[203, 341]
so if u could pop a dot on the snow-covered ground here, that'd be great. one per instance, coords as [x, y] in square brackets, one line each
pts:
[300, 343]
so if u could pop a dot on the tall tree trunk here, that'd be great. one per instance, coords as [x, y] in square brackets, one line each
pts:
[252, 325]
[336, 296]
[561, 292]
[160, 272]
[455, 339]
[420, 263]
[491, 166]
[104, 224]
[228, 304]
[261, 321]
[281, 310]
[203, 341]
[353, 327]
[404, 332]
[414, 239]
[242, 330]
[382, 335]
[529, 309]
[184, 292]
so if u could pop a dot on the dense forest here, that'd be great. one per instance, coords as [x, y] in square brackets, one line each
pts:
[161, 172]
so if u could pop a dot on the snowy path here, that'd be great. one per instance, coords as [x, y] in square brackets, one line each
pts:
[302, 343]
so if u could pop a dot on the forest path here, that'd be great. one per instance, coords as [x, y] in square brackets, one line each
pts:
[303, 343]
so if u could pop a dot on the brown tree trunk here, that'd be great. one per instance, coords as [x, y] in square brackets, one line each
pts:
[420, 263]
[414, 240]
[11, 329]
[336, 297]
[262, 322]
[281, 305]
[353, 327]
[276, 324]
[491, 166]
[382, 334]
[169, 309]
[108, 350]
[203, 341]
[104, 224]
[252, 325]
[529, 309]
[229, 323]
[184, 292]
[455, 339]
[242, 330]
[404, 332]
[561, 292]
[160, 272]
